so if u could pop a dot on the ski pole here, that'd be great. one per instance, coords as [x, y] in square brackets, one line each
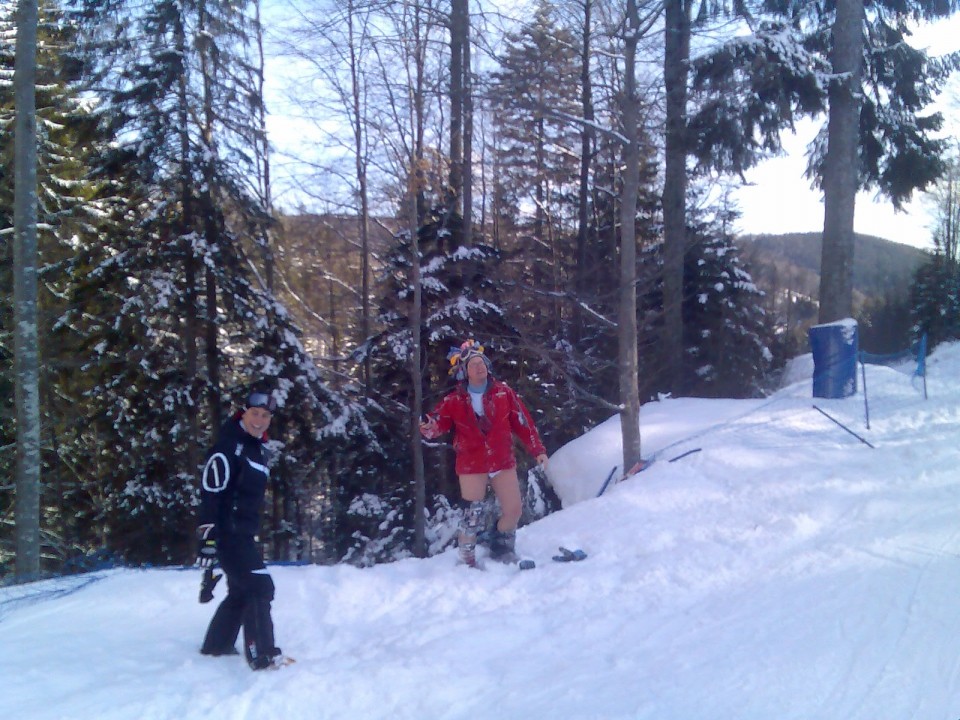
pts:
[844, 427]
[607, 481]
[683, 455]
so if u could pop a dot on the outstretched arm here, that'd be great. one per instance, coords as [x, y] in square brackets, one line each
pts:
[438, 422]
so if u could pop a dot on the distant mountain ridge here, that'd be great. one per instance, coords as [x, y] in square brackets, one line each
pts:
[882, 268]
[787, 269]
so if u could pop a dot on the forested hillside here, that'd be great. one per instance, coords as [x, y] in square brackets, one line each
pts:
[882, 267]
[787, 268]
[540, 177]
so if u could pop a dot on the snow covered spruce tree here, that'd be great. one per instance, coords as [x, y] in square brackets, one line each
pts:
[459, 297]
[935, 299]
[185, 321]
[935, 295]
[727, 333]
[536, 157]
[321, 434]
[70, 207]
[852, 59]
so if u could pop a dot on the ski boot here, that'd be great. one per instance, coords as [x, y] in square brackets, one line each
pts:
[471, 524]
[503, 546]
[467, 553]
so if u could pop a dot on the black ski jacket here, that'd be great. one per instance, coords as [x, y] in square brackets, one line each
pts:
[234, 482]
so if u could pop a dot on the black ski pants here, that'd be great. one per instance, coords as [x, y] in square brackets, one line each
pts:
[250, 591]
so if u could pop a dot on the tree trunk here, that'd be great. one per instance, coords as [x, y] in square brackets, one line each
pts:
[362, 191]
[419, 117]
[675, 72]
[540, 191]
[25, 294]
[416, 411]
[457, 23]
[263, 155]
[211, 228]
[416, 214]
[467, 131]
[628, 363]
[840, 170]
[190, 294]
[586, 150]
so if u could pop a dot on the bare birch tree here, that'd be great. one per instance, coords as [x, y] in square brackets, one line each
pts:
[628, 360]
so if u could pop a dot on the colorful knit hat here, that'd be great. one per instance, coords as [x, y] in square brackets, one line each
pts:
[460, 356]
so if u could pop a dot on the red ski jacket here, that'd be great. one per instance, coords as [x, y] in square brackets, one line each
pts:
[485, 445]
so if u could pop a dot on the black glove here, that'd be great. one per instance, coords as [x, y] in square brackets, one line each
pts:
[207, 584]
[207, 554]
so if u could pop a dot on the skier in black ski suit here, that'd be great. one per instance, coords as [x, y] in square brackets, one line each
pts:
[233, 485]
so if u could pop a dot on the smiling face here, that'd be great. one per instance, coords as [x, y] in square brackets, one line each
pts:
[256, 420]
[476, 371]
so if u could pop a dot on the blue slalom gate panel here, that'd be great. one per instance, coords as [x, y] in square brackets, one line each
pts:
[835, 351]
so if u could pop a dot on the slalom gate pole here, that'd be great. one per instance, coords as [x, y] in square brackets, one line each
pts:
[607, 481]
[844, 427]
[866, 404]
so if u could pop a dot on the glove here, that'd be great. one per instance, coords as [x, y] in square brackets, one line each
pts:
[207, 554]
[207, 584]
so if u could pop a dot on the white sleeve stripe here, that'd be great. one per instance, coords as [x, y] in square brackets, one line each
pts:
[216, 473]
[257, 466]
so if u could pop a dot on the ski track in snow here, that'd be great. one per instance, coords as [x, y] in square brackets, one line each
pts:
[784, 571]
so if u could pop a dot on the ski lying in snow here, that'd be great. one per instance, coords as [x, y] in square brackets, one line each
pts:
[570, 555]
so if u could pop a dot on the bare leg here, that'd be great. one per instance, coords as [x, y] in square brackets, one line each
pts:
[506, 486]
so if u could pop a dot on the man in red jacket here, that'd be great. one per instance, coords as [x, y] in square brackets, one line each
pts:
[484, 415]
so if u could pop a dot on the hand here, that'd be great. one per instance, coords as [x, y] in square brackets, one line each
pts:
[542, 460]
[207, 554]
[207, 583]
[429, 428]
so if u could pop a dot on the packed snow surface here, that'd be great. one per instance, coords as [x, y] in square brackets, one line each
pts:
[783, 570]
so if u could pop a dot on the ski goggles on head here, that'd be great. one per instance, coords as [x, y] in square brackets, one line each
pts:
[470, 353]
[462, 355]
[262, 400]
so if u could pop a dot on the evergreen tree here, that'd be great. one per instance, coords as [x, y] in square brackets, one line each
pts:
[460, 300]
[727, 333]
[935, 299]
[853, 58]
[184, 320]
[935, 296]
[70, 206]
[729, 343]
[538, 170]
